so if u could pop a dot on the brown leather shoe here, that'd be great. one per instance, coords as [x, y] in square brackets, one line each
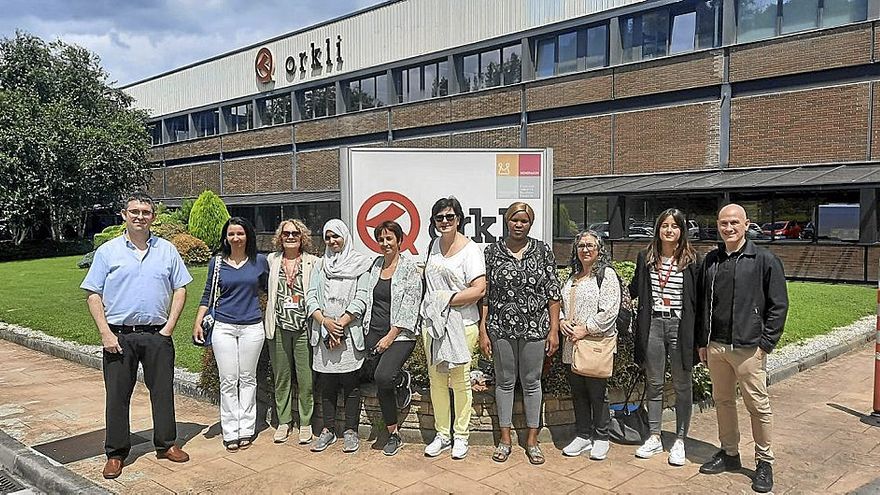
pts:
[113, 468]
[174, 454]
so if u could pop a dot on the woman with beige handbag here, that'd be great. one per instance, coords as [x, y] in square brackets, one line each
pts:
[590, 310]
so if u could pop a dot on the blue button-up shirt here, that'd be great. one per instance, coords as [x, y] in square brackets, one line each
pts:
[136, 291]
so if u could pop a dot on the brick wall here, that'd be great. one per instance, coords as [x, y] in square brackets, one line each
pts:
[178, 181]
[420, 114]
[577, 90]
[811, 126]
[239, 176]
[425, 142]
[876, 42]
[684, 137]
[580, 146]
[259, 138]
[206, 176]
[198, 147]
[363, 123]
[317, 170]
[155, 155]
[504, 101]
[873, 263]
[505, 137]
[875, 132]
[315, 130]
[805, 53]
[689, 71]
[156, 183]
[274, 173]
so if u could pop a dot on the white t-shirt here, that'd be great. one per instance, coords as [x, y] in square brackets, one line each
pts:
[455, 273]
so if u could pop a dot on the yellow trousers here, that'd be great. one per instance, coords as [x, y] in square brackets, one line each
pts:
[458, 379]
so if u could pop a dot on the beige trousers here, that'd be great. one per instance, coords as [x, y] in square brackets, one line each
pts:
[746, 367]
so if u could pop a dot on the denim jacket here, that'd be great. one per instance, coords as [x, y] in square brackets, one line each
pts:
[406, 296]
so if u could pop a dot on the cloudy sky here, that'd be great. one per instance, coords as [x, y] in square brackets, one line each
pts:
[140, 38]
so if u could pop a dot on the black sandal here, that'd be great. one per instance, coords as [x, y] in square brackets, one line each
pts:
[502, 452]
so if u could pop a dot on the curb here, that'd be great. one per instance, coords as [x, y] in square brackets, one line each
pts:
[22, 461]
[790, 369]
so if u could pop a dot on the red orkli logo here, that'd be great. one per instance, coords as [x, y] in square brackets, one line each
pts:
[399, 206]
[263, 65]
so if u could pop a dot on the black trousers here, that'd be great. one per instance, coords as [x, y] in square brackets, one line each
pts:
[156, 353]
[384, 371]
[330, 385]
[591, 414]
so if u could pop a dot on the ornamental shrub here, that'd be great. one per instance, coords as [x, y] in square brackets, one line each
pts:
[108, 233]
[182, 214]
[207, 217]
[167, 226]
[192, 249]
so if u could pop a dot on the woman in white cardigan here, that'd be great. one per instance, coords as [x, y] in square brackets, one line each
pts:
[290, 270]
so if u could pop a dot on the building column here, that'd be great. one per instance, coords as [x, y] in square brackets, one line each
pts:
[616, 217]
[868, 219]
[728, 22]
[615, 48]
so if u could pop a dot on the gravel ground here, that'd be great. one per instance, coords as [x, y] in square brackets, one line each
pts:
[843, 335]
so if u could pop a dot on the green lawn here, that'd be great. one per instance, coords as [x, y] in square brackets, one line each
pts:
[44, 295]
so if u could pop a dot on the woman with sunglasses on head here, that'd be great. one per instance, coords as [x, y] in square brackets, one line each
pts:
[290, 271]
[336, 301]
[393, 297]
[238, 333]
[590, 308]
[520, 323]
[665, 284]
[455, 278]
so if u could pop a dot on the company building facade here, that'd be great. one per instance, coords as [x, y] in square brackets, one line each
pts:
[773, 104]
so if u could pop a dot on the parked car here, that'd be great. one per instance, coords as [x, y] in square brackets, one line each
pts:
[693, 229]
[754, 231]
[601, 228]
[640, 230]
[809, 231]
[785, 229]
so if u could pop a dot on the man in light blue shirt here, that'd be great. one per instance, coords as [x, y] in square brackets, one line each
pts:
[136, 291]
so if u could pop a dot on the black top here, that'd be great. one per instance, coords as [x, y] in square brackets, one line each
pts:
[722, 298]
[519, 291]
[380, 317]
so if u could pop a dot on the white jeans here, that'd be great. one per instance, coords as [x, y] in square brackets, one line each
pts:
[237, 349]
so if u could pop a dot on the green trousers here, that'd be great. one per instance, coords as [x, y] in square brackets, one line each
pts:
[289, 349]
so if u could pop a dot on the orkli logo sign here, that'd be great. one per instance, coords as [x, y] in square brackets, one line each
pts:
[384, 206]
[264, 65]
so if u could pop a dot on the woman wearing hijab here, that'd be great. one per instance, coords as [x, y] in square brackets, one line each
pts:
[336, 301]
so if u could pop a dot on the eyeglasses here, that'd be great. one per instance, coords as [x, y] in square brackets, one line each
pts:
[140, 213]
[291, 233]
[448, 217]
[587, 247]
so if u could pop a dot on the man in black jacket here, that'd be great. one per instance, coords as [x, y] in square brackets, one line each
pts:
[743, 307]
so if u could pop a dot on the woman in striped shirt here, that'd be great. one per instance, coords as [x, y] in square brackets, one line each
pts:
[665, 285]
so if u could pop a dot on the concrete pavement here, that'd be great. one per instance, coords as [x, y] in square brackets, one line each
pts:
[822, 443]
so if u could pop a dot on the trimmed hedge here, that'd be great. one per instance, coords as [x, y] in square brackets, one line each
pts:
[191, 249]
[207, 217]
[107, 234]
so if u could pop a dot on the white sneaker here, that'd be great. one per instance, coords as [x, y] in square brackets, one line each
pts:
[459, 448]
[281, 433]
[577, 447]
[652, 446]
[676, 453]
[305, 434]
[439, 444]
[600, 450]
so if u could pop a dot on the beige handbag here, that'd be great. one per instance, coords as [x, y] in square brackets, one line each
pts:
[592, 356]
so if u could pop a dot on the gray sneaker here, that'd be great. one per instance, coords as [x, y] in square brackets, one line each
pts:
[350, 441]
[324, 440]
[404, 390]
[393, 445]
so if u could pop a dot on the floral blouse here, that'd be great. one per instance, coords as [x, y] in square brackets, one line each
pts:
[519, 291]
[588, 305]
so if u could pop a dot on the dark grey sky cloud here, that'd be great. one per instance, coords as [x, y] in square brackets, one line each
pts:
[137, 39]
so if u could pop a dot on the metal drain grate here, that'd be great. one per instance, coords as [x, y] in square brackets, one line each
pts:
[7, 484]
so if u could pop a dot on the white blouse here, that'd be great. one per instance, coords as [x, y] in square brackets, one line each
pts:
[595, 309]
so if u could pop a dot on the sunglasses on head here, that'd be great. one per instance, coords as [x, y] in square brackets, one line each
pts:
[448, 217]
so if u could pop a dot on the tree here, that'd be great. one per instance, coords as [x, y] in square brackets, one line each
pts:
[207, 217]
[69, 142]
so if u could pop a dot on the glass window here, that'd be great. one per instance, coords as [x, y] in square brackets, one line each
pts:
[239, 117]
[837, 12]
[708, 23]
[413, 90]
[470, 73]
[430, 78]
[155, 131]
[268, 218]
[368, 92]
[546, 58]
[755, 20]
[206, 123]
[798, 15]
[275, 110]
[490, 68]
[319, 102]
[597, 46]
[567, 58]
[569, 216]
[442, 79]
[246, 212]
[178, 128]
[382, 95]
[655, 33]
[512, 66]
[684, 27]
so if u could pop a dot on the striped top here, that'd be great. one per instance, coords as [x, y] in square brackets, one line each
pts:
[666, 286]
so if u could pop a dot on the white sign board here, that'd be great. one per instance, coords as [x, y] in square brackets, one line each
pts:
[380, 184]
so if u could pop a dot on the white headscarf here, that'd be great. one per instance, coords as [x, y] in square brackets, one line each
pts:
[347, 263]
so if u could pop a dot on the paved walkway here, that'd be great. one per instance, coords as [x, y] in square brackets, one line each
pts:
[820, 442]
